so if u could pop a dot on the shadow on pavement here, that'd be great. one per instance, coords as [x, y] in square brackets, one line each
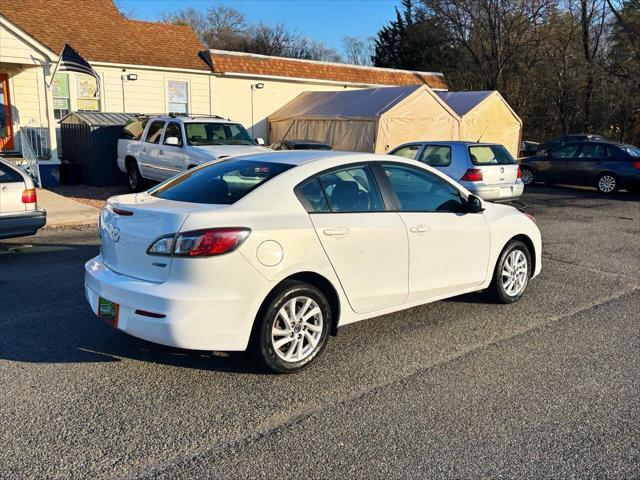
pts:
[45, 318]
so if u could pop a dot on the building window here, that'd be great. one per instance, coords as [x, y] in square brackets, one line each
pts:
[88, 100]
[60, 94]
[178, 97]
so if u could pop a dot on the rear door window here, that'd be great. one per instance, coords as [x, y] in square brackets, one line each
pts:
[312, 197]
[222, 183]
[593, 150]
[483, 155]
[155, 132]
[436, 155]
[134, 128]
[409, 151]
[352, 190]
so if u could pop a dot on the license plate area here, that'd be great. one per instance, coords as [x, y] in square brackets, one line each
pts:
[108, 311]
[505, 192]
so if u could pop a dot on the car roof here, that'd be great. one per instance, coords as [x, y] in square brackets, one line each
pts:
[192, 119]
[304, 142]
[294, 157]
[447, 142]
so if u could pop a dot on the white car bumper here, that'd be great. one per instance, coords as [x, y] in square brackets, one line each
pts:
[496, 192]
[190, 316]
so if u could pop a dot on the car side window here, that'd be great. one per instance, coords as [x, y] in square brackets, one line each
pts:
[592, 150]
[410, 151]
[351, 190]
[436, 155]
[155, 132]
[566, 151]
[312, 197]
[173, 130]
[421, 191]
[9, 175]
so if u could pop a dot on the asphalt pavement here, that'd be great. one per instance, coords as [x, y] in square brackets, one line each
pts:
[546, 388]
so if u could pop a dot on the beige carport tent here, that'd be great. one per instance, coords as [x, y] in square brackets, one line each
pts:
[486, 117]
[366, 120]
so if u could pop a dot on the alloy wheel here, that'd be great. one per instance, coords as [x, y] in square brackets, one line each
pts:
[527, 176]
[607, 183]
[297, 329]
[515, 273]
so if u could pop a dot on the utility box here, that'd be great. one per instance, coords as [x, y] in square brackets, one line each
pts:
[90, 147]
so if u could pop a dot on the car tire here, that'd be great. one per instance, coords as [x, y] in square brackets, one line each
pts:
[134, 179]
[527, 176]
[511, 276]
[286, 345]
[607, 183]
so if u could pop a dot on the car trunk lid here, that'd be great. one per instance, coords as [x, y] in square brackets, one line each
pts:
[499, 174]
[129, 224]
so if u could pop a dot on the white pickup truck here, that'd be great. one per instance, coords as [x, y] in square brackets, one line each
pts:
[157, 148]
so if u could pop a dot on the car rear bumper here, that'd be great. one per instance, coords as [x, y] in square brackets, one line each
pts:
[199, 317]
[495, 192]
[22, 224]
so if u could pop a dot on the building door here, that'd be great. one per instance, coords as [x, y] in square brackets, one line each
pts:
[6, 128]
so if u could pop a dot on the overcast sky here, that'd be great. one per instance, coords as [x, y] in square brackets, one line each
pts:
[325, 20]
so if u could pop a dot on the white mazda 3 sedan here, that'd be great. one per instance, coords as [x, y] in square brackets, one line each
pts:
[275, 251]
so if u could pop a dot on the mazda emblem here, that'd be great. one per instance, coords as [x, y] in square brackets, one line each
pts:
[115, 234]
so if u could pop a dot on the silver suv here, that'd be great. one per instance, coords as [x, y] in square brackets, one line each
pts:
[485, 169]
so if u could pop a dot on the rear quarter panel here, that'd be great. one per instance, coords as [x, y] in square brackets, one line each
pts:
[127, 147]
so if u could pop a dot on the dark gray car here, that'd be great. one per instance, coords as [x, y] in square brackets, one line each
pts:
[605, 166]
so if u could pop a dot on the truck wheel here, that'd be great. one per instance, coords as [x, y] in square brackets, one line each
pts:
[134, 177]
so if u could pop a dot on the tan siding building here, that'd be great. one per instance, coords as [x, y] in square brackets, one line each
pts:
[144, 67]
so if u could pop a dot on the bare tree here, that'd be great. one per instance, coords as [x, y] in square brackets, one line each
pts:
[358, 51]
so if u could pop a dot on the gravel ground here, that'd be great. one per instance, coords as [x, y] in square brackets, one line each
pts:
[546, 388]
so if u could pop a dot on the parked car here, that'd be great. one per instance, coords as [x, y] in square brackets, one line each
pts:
[485, 169]
[603, 165]
[572, 137]
[300, 145]
[528, 149]
[19, 212]
[275, 251]
[157, 148]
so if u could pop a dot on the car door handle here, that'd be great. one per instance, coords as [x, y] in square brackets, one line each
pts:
[144, 150]
[161, 152]
[336, 232]
[419, 229]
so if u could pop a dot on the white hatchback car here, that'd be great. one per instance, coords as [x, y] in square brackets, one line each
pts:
[275, 251]
[19, 212]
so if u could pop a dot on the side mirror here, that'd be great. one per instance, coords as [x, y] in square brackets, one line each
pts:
[260, 141]
[474, 204]
[172, 141]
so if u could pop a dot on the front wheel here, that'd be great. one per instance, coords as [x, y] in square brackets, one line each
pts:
[293, 328]
[607, 183]
[512, 273]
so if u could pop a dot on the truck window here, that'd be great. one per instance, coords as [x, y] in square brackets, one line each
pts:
[134, 128]
[155, 132]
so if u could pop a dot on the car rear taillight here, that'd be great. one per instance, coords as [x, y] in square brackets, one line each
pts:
[200, 243]
[519, 174]
[207, 243]
[119, 211]
[472, 175]
[29, 196]
[636, 164]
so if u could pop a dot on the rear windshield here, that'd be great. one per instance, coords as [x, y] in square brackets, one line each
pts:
[221, 183]
[490, 155]
[631, 150]
[134, 128]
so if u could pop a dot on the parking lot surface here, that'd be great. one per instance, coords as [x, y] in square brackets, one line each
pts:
[548, 387]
